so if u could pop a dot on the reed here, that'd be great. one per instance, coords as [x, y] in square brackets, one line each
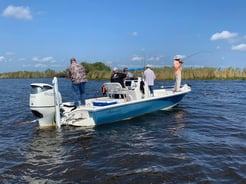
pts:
[164, 73]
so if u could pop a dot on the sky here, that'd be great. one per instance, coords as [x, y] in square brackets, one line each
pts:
[40, 35]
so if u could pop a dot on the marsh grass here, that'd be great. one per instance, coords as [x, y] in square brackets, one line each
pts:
[165, 73]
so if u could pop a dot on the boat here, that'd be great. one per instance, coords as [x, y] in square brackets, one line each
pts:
[116, 105]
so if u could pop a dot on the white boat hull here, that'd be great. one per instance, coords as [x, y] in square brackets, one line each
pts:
[118, 112]
[103, 110]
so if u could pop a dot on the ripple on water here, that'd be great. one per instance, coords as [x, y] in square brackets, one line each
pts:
[200, 141]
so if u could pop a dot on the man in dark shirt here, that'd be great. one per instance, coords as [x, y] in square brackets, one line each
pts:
[118, 77]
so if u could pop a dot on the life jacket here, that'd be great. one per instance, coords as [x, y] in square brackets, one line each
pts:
[104, 90]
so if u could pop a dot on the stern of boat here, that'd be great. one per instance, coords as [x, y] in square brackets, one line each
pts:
[42, 103]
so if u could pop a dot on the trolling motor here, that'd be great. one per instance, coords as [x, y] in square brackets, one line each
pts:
[43, 103]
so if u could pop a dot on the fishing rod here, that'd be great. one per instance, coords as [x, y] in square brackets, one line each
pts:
[191, 55]
[167, 61]
[183, 57]
[196, 53]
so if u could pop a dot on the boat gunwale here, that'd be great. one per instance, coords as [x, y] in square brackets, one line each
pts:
[99, 108]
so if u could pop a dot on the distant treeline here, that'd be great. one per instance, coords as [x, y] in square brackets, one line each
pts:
[99, 71]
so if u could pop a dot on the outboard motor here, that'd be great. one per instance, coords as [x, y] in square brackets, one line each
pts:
[42, 103]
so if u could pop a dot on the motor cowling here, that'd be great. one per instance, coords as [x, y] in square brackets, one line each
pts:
[42, 103]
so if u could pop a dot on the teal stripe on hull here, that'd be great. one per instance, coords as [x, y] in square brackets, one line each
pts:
[132, 110]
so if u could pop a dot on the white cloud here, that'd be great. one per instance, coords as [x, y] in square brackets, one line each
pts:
[137, 58]
[39, 65]
[9, 53]
[26, 65]
[17, 12]
[35, 59]
[224, 35]
[134, 33]
[22, 59]
[2, 58]
[240, 47]
[40, 12]
[44, 59]
[48, 59]
[154, 58]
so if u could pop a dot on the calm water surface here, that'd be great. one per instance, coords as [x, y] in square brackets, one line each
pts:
[203, 140]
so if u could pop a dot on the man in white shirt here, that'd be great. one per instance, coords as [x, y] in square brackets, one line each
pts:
[149, 78]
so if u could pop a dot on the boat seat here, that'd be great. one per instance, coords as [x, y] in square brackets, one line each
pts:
[115, 90]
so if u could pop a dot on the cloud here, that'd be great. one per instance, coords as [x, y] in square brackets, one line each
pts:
[218, 47]
[137, 58]
[22, 59]
[9, 53]
[26, 65]
[240, 47]
[17, 12]
[154, 58]
[224, 35]
[2, 58]
[39, 65]
[48, 59]
[134, 33]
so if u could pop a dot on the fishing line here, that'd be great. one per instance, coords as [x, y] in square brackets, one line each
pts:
[188, 57]
[196, 53]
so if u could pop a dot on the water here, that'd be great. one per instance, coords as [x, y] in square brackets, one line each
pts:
[203, 140]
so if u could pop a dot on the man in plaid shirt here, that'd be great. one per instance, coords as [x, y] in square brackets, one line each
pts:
[77, 75]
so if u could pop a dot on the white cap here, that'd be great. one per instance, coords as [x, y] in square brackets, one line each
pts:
[148, 66]
[115, 68]
[178, 57]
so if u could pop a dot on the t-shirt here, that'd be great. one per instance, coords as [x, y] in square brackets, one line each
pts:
[118, 77]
